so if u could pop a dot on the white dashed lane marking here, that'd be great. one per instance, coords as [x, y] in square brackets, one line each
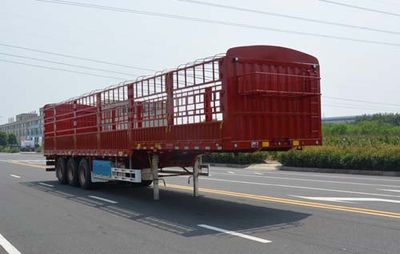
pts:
[346, 199]
[104, 199]
[390, 190]
[229, 232]
[15, 176]
[7, 246]
[47, 185]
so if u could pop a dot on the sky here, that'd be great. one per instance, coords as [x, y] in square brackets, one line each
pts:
[356, 77]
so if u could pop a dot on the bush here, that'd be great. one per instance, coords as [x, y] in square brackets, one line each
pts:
[9, 149]
[366, 130]
[383, 157]
[11, 139]
[370, 143]
[3, 139]
[38, 148]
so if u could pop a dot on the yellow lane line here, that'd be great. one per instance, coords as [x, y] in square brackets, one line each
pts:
[292, 201]
[26, 164]
[270, 198]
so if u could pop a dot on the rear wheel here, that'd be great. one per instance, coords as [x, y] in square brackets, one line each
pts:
[72, 172]
[85, 176]
[61, 172]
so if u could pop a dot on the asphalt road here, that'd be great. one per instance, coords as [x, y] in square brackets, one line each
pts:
[239, 211]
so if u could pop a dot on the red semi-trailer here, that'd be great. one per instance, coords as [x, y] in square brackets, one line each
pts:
[253, 98]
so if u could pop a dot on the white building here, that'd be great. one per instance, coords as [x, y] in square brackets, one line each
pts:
[26, 125]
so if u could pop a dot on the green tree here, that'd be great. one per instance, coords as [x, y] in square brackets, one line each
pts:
[12, 139]
[3, 139]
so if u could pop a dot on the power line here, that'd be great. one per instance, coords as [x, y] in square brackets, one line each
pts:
[359, 108]
[60, 69]
[361, 8]
[118, 78]
[236, 8]
[385, 2]
[66, 64]
[80, 66]
[363, 101]
[210, 21]
[74, 57]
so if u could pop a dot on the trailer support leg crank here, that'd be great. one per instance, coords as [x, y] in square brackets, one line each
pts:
[154, 171]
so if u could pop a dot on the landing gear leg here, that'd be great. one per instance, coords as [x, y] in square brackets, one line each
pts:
[196, 170]
[154, 171]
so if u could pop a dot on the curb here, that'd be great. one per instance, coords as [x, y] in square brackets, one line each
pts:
[341, 171]
[227, 165]
[277, 166]
[260, 166]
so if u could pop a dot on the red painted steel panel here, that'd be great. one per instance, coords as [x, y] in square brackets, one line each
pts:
[273, 94]
[253, 98]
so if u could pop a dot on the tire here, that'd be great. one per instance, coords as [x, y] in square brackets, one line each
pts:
[85, 175]
[72, 172]
[61, 171]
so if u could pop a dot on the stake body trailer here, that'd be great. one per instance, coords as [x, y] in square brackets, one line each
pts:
[253, 98]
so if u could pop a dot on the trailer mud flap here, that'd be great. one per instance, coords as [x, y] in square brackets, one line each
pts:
[101, 171]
